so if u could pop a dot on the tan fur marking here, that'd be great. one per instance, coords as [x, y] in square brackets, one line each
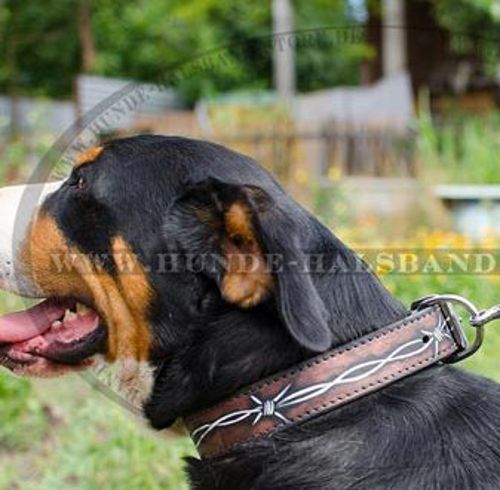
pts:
[88, 156]
[135, 288]
[50, 262]
[61, 270]
[238, 222]
[246, 282]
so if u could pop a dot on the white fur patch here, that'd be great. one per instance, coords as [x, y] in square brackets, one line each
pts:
[129, 383]
[129, 379]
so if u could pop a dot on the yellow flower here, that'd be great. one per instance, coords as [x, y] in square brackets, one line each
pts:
[301, 176]
[334, 173]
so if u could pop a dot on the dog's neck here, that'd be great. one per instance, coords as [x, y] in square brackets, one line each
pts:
[235, 348]
[238, 347]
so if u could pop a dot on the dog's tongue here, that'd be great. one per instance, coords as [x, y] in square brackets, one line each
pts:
[25, 325]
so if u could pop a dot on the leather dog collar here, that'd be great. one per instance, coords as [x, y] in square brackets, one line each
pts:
[329, 380]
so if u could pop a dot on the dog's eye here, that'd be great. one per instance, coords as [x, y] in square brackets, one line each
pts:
[81, 184]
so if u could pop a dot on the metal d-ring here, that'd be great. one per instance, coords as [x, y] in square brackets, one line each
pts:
[477, 320]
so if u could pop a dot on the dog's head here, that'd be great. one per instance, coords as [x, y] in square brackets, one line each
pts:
[148, 243]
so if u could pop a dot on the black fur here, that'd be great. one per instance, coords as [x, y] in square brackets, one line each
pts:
[436, 430]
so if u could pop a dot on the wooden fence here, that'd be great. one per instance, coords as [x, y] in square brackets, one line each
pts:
[329, 153]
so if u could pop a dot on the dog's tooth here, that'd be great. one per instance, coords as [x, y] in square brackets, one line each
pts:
[57, 324]
[82, 309]
[69, 316]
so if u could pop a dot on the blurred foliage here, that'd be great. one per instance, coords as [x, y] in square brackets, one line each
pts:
[331, 206]
[147, 40]
[247, 113]
[18, 408]
[460, 150]
[142, 40]
[39, 48]
[474, 25]
[80, 440]
[20, 156]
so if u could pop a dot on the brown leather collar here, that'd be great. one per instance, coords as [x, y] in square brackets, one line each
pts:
[328, 381]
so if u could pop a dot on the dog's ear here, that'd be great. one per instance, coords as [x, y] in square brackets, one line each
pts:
[261, 249]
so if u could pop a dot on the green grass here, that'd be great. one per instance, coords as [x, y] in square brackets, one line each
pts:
[464, 150]
[82, 440]
[56, 434]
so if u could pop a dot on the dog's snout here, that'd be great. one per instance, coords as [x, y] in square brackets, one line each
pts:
[18, 204]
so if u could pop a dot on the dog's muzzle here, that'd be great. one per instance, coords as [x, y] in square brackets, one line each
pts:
[18, 204]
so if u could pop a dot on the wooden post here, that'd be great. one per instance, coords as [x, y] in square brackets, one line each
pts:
[284, 49]
[86, 37]
[393, 37]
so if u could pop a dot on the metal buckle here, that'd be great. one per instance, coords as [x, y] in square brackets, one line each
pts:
[478, 318]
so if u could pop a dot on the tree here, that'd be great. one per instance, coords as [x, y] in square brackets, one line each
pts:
[475, 27]
[142, 40]
[86, 37]
[39, 49]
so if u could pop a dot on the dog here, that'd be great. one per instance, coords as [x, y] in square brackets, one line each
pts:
[146, 221]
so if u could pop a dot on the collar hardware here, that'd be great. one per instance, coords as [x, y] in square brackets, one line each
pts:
[477, 319]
